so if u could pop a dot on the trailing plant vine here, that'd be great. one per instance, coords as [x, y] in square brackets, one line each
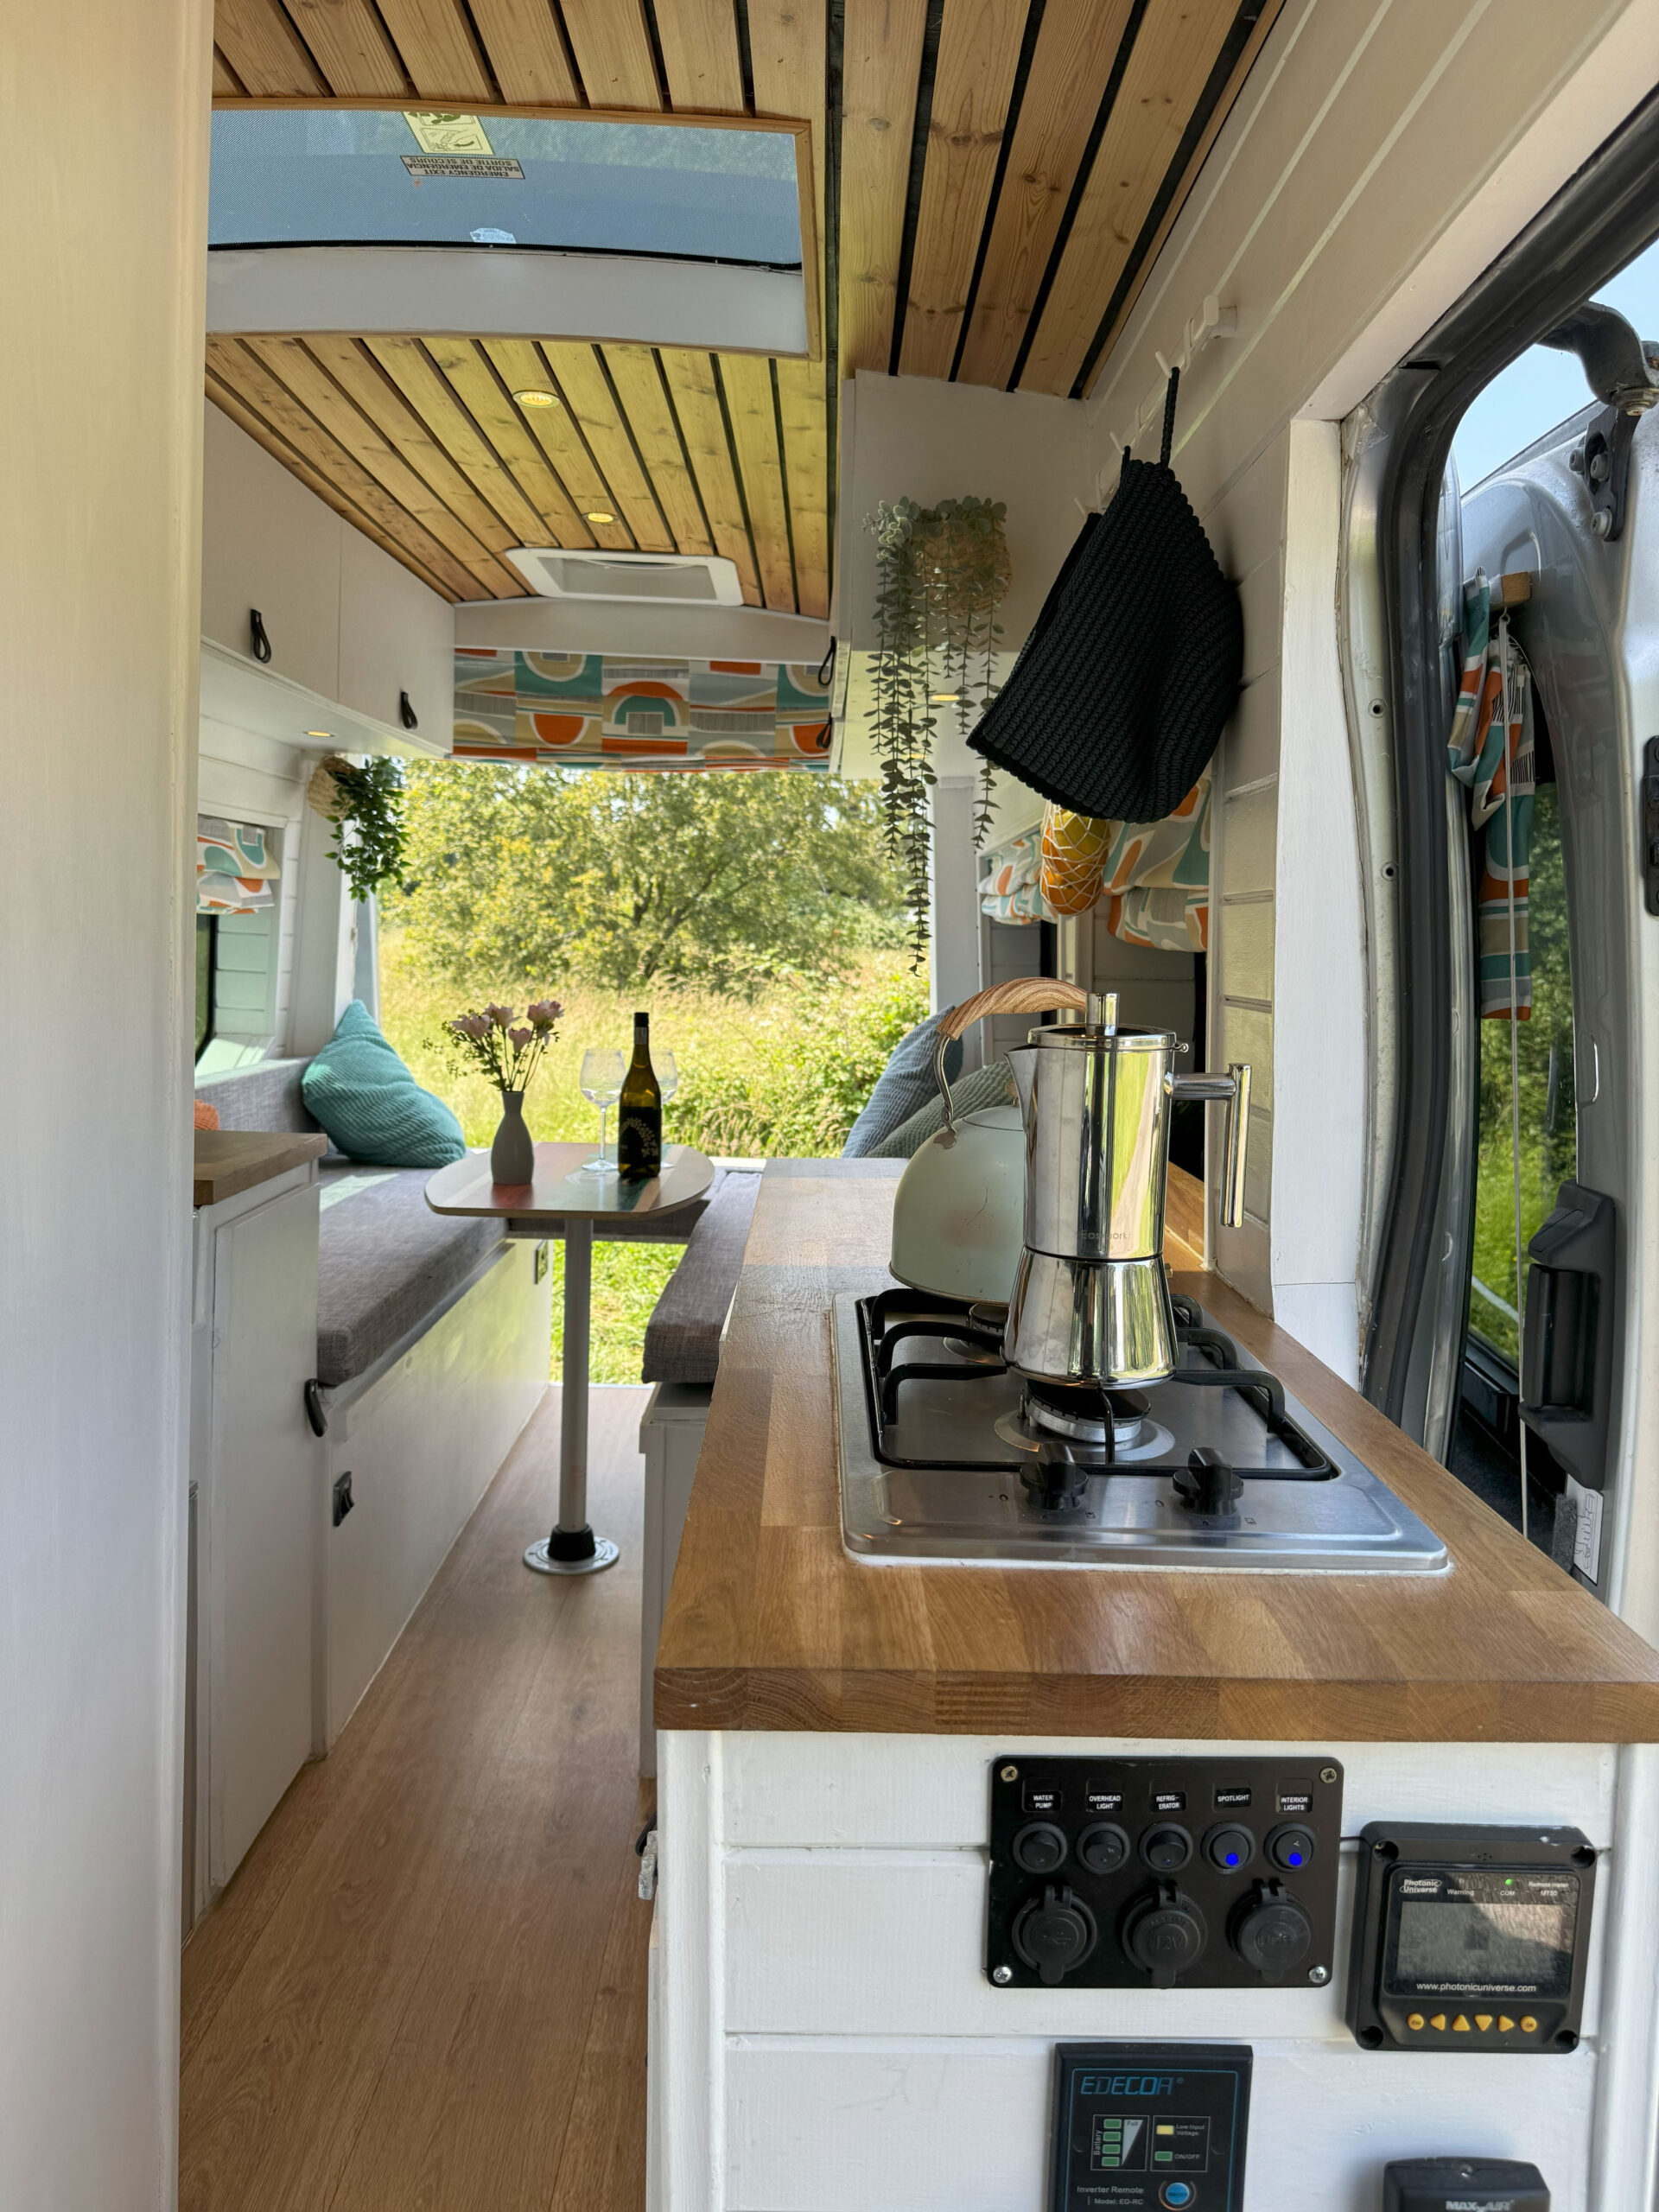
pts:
[941, 574]
[368, 804]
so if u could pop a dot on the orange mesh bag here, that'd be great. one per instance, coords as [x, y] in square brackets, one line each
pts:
[1074, 849]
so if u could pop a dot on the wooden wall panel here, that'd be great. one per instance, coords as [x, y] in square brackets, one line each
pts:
[593, 408]
[699, 43]
[753, 417]
[409, 365]
[881, 60]
[690, 378]
[639, 380]
[521, 43]
[786, 57]
[979, 52]
[801, 404]
[226, 84]
[519, 364]
[261, 46]
[1076, 48]
[613, 52]
[1176, 48]
[350, 47]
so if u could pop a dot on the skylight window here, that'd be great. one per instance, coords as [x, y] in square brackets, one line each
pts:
[366, 177]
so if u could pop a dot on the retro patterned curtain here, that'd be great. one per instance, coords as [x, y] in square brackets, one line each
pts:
[1490, 752]
[609, 710]
[236, 867]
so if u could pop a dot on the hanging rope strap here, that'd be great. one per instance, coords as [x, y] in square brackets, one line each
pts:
[1169, 416]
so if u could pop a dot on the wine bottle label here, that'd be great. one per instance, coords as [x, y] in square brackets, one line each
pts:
[639, 1143]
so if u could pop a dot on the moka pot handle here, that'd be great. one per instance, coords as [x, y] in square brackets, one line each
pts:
[1234, 1088]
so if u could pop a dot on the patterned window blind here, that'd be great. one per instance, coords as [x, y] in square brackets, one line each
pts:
[236, 867]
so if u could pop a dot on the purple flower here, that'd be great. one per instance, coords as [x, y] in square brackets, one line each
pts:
[544, 1012]
[471, 1025]
[520, 1038]
[500, 1015]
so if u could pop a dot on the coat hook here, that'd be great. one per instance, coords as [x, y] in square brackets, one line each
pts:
[257, 633]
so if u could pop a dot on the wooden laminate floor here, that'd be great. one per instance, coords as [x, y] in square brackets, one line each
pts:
[425, 1989]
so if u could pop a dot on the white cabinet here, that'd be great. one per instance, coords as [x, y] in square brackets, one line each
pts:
[256, 1465]
[268, 542]
[395, 636]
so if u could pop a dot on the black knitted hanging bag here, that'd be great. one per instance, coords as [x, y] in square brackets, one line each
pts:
[1122, 691]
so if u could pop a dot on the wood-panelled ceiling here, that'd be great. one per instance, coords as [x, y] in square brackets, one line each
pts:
[993, 177]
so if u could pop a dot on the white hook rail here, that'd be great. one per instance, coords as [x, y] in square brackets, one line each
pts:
[1213, 321]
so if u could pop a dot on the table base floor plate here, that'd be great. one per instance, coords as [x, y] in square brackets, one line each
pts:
[606, 1554]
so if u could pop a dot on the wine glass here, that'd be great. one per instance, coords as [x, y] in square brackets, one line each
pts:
[668, 1079]
[601, 1086]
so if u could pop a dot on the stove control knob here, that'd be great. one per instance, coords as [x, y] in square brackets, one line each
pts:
[1230, 1847]
[1103, 1848]
[1291, 1848]
[1054, 1933]
[1271, 1932]
[1039, 1848]
[1165, 1848]
[1164, 1934]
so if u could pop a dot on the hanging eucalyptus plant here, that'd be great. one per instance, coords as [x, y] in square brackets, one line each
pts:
[941, 574]
[368, 802]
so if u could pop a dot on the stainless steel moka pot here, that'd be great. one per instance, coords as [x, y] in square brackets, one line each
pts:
[1090, 1302]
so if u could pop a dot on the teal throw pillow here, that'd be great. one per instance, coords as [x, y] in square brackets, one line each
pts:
[369, 1103]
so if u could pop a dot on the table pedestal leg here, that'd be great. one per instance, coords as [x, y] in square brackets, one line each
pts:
[573, 1548]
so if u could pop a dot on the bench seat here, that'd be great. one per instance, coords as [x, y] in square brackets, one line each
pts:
[682, 1335]
[385, 1262]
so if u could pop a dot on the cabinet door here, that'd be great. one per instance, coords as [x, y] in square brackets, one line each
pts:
[266, 542]
[262, 1525]
[395, 637]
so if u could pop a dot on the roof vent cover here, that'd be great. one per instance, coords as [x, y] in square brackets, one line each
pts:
[663, 579]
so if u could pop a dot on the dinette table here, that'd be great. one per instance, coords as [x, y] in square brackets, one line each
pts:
[564, 1198]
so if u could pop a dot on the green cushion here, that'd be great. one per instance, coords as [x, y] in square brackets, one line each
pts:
[369, 1103]
[991, 1085]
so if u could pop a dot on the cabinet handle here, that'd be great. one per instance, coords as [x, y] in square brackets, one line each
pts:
[257, 633]
[315, 1411]
[406, 713]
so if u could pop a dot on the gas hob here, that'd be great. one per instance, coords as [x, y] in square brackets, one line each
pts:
[947, 1454]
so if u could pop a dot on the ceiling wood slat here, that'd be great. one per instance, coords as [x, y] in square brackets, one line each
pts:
[786, 61]
[406, 361]
[350, 47]
[227, 85]
[526, 53]
[1076, 48]
[263, 48]
[246, 375]
[288, 360]
[801, 404]
[699, 43]
[696, 403]
[1264, 24]
[754, 436]
[612, 51]
[438, 48]
[519, 364]
[588, 398]
[368, 387]
[638, 384]
[979, 52]
[881, 60]
[247, 419]
[473, 383]
[1175, 53]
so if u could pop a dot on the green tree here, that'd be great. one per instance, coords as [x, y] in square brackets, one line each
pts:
[722, 880]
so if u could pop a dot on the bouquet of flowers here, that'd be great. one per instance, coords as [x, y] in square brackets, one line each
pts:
[508, 1051]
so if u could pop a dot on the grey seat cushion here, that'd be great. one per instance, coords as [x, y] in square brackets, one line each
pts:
[264, 1096]
[385, 1260]
[903, 1087]
[991, 1085]
[683, 1336]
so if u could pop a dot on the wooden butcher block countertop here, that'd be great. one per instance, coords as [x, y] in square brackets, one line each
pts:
[231, 1161]
[770, 1624]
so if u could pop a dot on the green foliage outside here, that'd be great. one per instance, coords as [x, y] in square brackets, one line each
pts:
[755, 917]
[725, 881]
[1544, 1050]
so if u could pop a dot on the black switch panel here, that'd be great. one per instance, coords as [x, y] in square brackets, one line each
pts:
[1202, 1873]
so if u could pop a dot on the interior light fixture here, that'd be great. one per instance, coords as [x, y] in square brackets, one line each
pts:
[944, 698]
[537, 398]
[320, 733]
[600, 515]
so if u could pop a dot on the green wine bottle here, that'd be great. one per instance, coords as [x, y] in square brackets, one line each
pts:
[639, 1113]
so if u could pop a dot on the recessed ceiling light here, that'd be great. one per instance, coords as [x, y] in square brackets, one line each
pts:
[944, 698]
[537, 398]
[320, 733]
[600, 515]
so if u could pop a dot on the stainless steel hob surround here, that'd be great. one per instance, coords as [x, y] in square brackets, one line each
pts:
[946, 1453]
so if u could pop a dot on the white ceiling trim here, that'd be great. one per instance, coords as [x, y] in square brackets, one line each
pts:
[468, 291]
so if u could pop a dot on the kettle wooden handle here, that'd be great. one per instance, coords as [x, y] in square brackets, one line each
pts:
[1025, 994]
